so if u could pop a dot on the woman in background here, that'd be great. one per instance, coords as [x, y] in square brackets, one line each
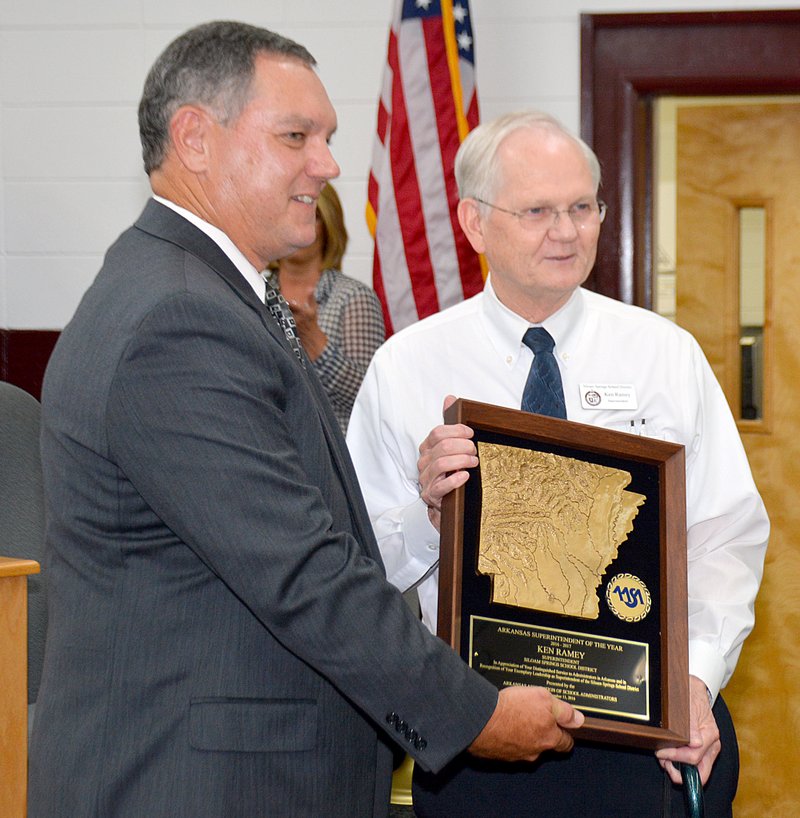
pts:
[339, 319]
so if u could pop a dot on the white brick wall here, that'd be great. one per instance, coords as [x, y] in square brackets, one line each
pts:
[71, 72]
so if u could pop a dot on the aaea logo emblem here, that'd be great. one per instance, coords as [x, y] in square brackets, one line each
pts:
[628, 598]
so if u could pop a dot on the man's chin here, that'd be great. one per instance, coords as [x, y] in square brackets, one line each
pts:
[305, 239]
[569, 277]
[293, 245]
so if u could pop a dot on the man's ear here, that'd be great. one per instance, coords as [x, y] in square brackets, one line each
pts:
[189, 130]
[471, 221]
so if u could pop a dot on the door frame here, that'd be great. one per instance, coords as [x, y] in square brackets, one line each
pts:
[627, 60]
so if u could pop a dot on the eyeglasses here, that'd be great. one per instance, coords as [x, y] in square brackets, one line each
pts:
[581, 214]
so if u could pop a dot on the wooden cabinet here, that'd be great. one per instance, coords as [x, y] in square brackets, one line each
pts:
[14, 684]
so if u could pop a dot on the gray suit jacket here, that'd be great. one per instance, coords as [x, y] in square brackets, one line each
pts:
[222, 641]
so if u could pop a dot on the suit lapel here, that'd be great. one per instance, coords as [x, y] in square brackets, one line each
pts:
[166, 224]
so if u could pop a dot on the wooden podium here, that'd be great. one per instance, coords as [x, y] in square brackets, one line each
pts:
[14, 684]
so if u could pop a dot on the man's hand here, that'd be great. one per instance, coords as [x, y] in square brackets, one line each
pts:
[443, 457]
[526, 722]
[704, 744]
[312, 337]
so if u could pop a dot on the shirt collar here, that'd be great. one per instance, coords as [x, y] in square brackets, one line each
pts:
[566, 326]
[505, 328]
[252, 276]
[324, 286]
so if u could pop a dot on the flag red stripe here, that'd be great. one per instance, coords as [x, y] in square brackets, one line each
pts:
[407, 197]
[468, 264]
[380, 291]
[372, 192]
[383, 120]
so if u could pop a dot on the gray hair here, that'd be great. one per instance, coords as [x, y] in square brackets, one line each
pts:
[212, 65]
[476, 166]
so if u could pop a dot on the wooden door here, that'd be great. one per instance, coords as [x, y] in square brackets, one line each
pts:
[729, 158]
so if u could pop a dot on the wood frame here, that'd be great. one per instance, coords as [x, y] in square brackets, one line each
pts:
[588, 443]
[627, 60]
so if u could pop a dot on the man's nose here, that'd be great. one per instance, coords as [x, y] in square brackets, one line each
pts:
[562, 226]
[323, 165]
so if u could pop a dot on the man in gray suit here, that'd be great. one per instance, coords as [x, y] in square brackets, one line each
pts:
[222, 640]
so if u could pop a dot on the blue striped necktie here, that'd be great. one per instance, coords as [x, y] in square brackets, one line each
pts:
[543, 391]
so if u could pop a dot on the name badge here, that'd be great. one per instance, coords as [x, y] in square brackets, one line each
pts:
[608, 396]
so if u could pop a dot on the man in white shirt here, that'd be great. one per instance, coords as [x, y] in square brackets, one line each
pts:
[528, 192]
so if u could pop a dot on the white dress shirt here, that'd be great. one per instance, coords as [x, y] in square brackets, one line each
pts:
[474, 350]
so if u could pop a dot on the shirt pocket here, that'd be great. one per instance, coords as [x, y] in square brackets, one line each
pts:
[653, 428]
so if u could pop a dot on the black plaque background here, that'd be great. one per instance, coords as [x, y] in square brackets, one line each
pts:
[635, 556]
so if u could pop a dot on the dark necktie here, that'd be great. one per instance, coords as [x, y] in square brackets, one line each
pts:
[280, 311]
[543, 391]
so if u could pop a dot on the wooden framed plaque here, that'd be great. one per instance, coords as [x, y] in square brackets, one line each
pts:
[563, 564]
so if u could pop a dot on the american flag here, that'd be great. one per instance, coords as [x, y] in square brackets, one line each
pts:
[422, 261]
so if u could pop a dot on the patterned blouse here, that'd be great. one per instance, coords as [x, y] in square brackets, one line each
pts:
[349, 313]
